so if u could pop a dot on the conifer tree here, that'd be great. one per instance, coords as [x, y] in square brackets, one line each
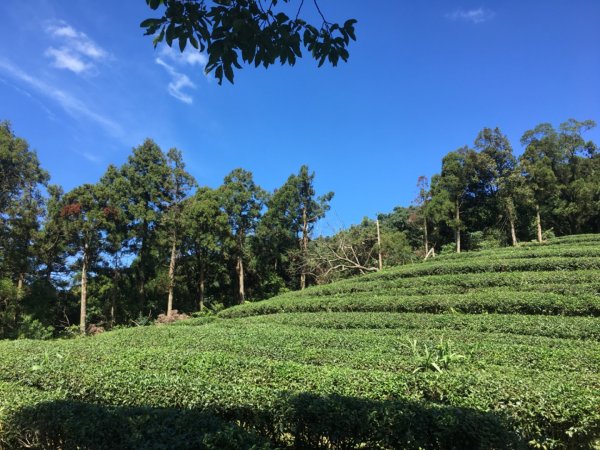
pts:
[242, 201]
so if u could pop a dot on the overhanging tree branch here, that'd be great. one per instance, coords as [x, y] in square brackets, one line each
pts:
[232, 29]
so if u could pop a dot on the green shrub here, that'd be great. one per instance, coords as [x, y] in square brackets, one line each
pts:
[448, 249]
[30, 328]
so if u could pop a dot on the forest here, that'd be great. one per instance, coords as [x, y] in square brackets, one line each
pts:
[147, 240]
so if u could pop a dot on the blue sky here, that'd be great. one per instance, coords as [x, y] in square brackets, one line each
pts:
[82, 84]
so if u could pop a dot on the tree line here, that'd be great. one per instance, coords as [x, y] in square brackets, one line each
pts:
[484, 196]
[144, 239]
[147, 239]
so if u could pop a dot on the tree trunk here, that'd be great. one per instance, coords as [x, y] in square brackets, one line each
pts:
[83, 310]
[201, 288]
[538, 221]
[142, 266]
[113, 299]
[239, 268]
[513, 233]
[304, 248]
[510, 212]
[457, 227]
[20, 282]
[379, 245]
[425, 236]
[171, 276]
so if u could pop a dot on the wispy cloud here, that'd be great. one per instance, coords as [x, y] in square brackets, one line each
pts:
[476, 16]
[76, 51]
[175, 63]
[27, 94]
[64, 59]
[189, 57]
[178, 82]
[92, 158]
[71, 104]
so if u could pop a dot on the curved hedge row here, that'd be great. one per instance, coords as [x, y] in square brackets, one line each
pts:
[544, 251]
[563, 327]
[315, 403]
[32, 418]
[567, 282]
[489, 301]
[516, 333]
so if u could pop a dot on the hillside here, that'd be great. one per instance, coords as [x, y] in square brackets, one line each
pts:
[493, 349]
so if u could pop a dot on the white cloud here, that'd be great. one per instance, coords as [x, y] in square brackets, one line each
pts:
[476, 16]
[72, 105]
[64, 59]
[63, 31]
[175, 63]
[77, 52]
[178, 82]
[190, 56]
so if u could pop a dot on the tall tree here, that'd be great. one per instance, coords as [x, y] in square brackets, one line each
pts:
[498, 174]
[113, 192]
[575, 181]
[452, 187]
[21, 206]
[540, 162]
[83, 221]
[422, 203]
[276, 242]
[312, 209]
[242, 201]
[205, 236]
[146, 189]
[288, 224]
[50, 244]
[181, 182]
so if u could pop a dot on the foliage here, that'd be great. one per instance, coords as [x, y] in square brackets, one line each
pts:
[259, 34]
[448, 248]
[555, 279]
[527, 377]
[484, 240]
[437, 358]
[8, 307]
[145, 234]
[242, 201]
[30, 328]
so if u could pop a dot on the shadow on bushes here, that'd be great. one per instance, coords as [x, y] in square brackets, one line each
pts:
[301, 421]
[74, 425]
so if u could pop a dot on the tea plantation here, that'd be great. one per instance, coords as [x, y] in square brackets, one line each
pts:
[493, 349]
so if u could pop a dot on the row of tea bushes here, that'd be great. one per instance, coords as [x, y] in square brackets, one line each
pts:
[261, 392]
[488, 301]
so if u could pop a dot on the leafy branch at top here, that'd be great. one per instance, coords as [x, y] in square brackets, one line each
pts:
[232, 29]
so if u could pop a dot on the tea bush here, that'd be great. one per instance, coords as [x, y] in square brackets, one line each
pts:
[329, 367]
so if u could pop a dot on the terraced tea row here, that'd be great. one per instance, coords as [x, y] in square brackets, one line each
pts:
[249, 372]
[528, 280]
[569, 282]
[541, 251]
[499, 349]
[493, 301]
[582, 328]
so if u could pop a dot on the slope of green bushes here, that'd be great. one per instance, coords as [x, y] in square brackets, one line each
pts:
[499, 349]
